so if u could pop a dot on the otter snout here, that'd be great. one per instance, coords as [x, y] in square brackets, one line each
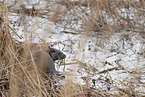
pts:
[56, 54]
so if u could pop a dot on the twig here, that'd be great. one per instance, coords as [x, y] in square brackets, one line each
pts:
[67, 32]
[111, 69]
[14, 31]
[68, 63]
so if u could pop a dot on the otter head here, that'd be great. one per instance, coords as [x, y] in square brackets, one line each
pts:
[55, 54]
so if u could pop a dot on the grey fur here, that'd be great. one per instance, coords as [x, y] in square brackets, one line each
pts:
[44, 62]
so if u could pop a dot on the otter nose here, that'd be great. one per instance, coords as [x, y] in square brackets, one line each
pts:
[64, 56]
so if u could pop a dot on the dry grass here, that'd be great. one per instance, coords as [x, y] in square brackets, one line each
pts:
[99, 18]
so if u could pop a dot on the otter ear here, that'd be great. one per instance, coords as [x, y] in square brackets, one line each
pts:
[48, 49]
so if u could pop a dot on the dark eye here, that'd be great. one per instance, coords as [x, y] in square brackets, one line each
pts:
[53, 51]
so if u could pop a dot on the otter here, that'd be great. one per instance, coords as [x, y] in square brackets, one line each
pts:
[44, 60]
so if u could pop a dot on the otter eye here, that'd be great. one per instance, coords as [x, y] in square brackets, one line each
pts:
[53, 51]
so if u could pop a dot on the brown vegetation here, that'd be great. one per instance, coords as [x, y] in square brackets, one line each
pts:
[99, 18]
